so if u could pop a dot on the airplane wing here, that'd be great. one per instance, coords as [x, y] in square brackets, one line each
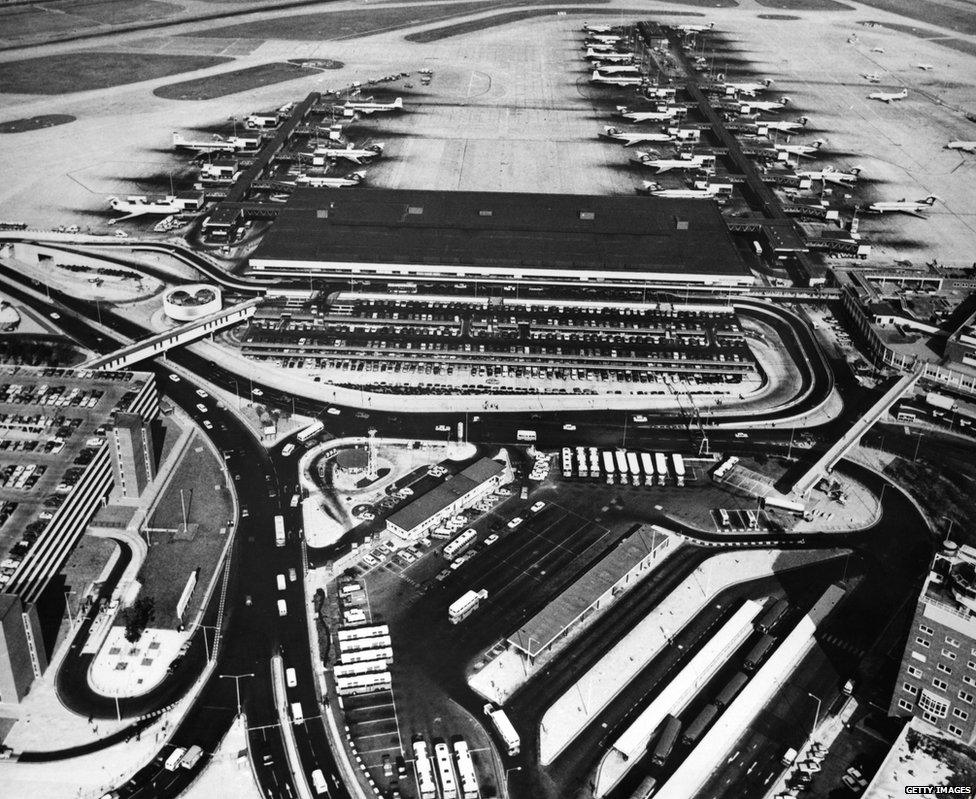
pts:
[130, 215]
[662, 168]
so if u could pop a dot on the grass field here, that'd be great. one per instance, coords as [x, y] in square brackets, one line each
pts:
[79, 72]
[26, 21]
[961, 20]
[805, 5]
[331, 25]
[239, 80]
[35, 123]
[506, 17]
[170, 561]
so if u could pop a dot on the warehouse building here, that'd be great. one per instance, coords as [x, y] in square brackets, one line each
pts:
[619, 570]
[431, 236]
[454, 495]
[68, 436]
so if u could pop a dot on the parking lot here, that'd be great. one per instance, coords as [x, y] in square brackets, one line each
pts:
[474, 344]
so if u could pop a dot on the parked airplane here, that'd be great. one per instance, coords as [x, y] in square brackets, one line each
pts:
[596, 28]
[871, 77]
[805, 150]
[782, 125]
[702, 190]
[616, 69]
[689, 28]
[213, 144]
[705, 163]
[648, 116]
[965, 146]
[877, 50]
[925, 67]
[630, 139]
[357, 155]
[369, 106]
[763, 105]
[609, 56]
[914, 207]
[888, 97]
[144, 206]
[605, 38]
[616, 80]
[330, 182]
[748, 89]
[831, 175]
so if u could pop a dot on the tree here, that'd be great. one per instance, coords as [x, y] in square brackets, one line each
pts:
[137, 617]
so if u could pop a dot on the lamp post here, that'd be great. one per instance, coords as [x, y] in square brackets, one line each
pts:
[237, 685]
[816, 716]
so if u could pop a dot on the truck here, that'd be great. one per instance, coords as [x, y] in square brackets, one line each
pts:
[666, 740]
[772, 616]
[731, 689]
[297, 716]
[646, 788]
[311, 431]
[279, 523]
[679, 468]
[319, 784]
[525, 435]
[758, 653]
[173, 761]
[697, 727]
[192, 756]
[633, 463]
[503, 726]
[660, 467]
[465, 605]
[608, 464]
[647, 465]
[789, 757]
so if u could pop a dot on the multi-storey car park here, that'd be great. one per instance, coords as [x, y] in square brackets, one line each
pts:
[58, 463]
[484, 344]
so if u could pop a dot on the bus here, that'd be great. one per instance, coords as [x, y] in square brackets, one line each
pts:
[466, 773]
[772, 616]
[425, 771]
[697, 727]
[311, 431]
[363, 683]
[445, 770]
[525, 435]
[279, 523]
[666, 740]
[364, 644]
[366, 667]
[362, 632]
[459, 544]
[731, 689]
[646, 788]
[366, 655]
[758, 653]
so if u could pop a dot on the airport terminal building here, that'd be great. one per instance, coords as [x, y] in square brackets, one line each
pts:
[431, 236]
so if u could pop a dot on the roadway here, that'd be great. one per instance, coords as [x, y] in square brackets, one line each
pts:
[252, 636]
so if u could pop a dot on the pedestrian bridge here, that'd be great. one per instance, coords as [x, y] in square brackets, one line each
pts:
[182, 334]
[842, 446]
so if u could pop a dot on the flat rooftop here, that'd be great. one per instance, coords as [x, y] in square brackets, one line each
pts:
[504, 229]
[553, 620]
[52, 423]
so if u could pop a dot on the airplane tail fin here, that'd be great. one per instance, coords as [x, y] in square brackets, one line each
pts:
[930, 200]
[803, 121]
[785, 100]
[768, 82]
[398, 103]
[359, 177]
[855, 170]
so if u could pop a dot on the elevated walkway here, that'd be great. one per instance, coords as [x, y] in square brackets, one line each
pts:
[826, 462]
[182, 334]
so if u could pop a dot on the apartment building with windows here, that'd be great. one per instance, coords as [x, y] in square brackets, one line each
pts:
[937, 677]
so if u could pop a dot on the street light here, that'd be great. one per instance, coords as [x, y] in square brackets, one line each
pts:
[816, 716]
[237, 685]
